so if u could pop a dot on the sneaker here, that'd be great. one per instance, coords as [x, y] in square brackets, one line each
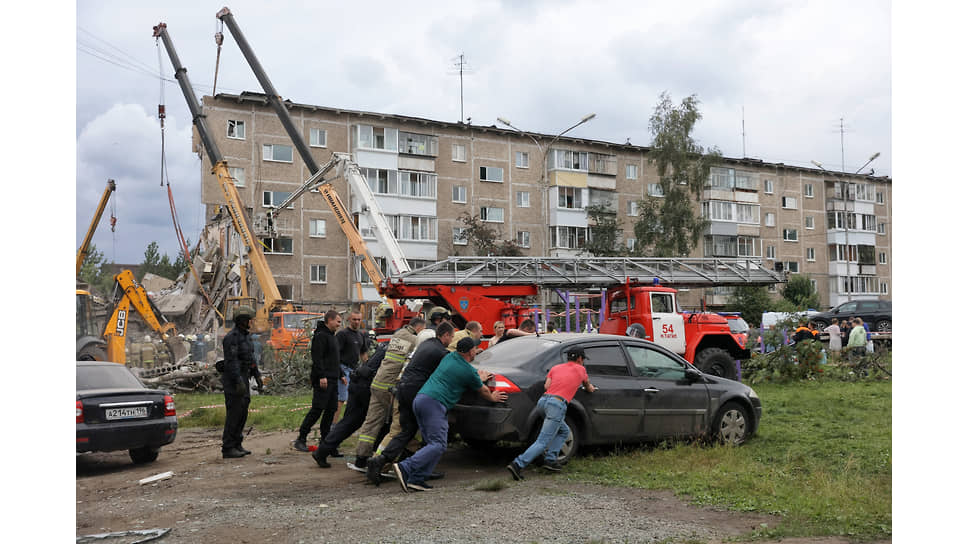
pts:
[419, 486]
[320, 459]
[353, 466]
[232, 454]
[552, 466]
[399, 473]
[373, 467]
[300, 444]
[516, 472]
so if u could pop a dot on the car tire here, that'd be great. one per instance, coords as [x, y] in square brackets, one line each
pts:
[571, 445]
[732, 424]
[883, 325]
[717, 362]
[92, 352]
[143, 455]
[820, 324]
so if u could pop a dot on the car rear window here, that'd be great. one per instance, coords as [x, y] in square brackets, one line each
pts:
[106, 377]
[511, 353]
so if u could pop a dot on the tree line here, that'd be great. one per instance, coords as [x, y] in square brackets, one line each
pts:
[98, 272]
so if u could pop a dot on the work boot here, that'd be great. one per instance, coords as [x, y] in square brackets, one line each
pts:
[320, 459]
[243, 450]
[373, 467]
[232, 453]
[360, 464]
[300, 444]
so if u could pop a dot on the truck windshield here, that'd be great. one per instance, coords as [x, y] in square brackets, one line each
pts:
[299, 321]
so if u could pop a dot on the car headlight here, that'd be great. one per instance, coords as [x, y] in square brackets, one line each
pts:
[752, 394]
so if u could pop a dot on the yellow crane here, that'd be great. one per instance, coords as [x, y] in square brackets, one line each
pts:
[90, 346]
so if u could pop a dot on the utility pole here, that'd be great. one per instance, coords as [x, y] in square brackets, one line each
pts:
[460, 70]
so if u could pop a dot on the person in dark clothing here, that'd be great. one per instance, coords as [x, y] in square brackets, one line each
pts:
[357, 403]
[422, 364]
[238, 363]
[524, 329]
[803, 333]
[323, 376]
[352, 347]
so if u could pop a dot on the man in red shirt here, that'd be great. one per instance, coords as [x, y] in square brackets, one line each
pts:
[560, 387]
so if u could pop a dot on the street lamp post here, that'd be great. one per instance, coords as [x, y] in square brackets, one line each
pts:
[843, 197]
[545, 189]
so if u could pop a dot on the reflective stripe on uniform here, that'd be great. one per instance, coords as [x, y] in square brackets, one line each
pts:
[380, 385]
[367, 438]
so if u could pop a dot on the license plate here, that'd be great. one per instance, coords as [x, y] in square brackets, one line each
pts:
[126, 413]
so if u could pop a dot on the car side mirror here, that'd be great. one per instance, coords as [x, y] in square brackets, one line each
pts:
[693, 374]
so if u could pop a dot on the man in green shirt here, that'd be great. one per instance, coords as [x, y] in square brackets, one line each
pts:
[857, 341]
[439, 394]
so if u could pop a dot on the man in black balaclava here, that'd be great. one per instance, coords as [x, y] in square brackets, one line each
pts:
[239, 360]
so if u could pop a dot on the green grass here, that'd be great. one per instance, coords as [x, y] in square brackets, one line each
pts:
[821, 460]
[273, 413]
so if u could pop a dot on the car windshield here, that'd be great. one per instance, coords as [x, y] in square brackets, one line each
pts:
[738, 326]
[511, 353]
[112, 376]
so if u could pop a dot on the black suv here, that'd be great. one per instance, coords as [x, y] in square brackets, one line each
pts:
[876, 313]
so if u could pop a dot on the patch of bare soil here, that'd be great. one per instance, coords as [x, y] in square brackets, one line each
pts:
[279, 495]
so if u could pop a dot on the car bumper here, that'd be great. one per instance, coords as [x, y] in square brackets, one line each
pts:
[126, 435]
[484, 422]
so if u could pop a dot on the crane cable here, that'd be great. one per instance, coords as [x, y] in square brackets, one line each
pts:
[218, 53]
[171, 197]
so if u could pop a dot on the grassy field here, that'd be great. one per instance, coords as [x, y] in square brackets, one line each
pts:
[821, 459]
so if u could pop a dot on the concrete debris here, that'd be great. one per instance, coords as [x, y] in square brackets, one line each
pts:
[149, 534]
[156, 478]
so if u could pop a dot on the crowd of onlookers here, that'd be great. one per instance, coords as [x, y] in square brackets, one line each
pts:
[851, 335]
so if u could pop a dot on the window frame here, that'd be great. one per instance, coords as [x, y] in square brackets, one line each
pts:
[484, 171]
[788, 199]
[526, 203]
[454, 154]
[523, 241]
[270, 249]
[272, 203]
[631, 171]
[768, 186]
[807, 190]
[457, 233]
[235, 179]
[795, 238]
[316, 131]
[315, 222]
[486, 211]
[229, 126]
[458, 194]
[519, 163]
[272, 148]
[313, 271]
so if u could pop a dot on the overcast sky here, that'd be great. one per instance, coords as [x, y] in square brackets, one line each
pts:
[795, 68]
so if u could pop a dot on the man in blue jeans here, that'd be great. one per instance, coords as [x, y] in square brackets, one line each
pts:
[560, 388]
[439, 394]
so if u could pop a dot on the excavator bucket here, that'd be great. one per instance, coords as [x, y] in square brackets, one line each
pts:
[177, 350]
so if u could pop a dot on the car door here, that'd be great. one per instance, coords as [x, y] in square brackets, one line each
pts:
[674, 406]
[616, 407]
[668, 328]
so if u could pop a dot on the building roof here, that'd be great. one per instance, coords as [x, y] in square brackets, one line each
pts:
[261, 99]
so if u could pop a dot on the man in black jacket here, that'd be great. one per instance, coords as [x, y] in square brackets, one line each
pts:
[422, 364]
[323, 376]
[357, 402]
[237, 350]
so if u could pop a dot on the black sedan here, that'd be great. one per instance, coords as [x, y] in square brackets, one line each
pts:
[645, 393]
[115, 411]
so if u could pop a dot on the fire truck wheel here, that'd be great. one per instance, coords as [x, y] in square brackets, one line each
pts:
[716, 361]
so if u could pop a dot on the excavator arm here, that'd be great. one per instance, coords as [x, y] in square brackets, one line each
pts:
[133, 296]
[86, 245]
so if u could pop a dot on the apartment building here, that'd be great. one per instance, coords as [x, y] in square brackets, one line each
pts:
[832, 227]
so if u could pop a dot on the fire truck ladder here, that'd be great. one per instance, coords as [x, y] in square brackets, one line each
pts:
[589, 272]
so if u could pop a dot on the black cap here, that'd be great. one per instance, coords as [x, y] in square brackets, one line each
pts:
[466, 344]
[576, 352]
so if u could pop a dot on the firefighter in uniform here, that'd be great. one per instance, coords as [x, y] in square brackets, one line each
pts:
[401, 344]
[239, 361]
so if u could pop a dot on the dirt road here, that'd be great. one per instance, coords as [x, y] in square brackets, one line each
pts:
[279, 495]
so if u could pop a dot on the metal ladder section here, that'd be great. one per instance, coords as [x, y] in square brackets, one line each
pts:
[374, 214]
[590, 272]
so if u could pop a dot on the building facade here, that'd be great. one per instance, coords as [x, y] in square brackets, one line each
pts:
[532, 189]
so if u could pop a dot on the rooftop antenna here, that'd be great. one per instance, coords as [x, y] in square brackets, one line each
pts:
[460, 64]
[744, 130]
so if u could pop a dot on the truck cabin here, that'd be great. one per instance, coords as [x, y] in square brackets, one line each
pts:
[290, 328]
[655, 308]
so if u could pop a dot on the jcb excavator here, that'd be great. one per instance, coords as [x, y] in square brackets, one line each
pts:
[130, 294]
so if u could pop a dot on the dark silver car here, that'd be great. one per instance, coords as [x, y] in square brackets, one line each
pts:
[115, 411]
[645, 393]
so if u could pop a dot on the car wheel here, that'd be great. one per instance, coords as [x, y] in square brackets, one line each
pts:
[92, 352]
[732, 424]
[143, 455]
[716, 361]
[883, 325]
[820, 324]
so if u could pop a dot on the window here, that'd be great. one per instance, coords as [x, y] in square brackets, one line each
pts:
[459, 194]
[236, 130]
[790, 235]
[883, 287]
[747, 246]
[317, 228]
[460, 236]
[523, 199]
[768, 186]
[413, 227]
[867, 222]
[880, 197]
[717, 210]
[238, 176]
[789, 203]
[630, 244]
[317, 137]
[317, 273]
[562, 159]
[277, 245]
[655, 189]
[416, 184]
[792, 267]
[770, 252]
[882, 228]
[418, 144]
[272, 199]
[568, 237]
[744, 180]
[619, 304]
[492, 215]
[458, 153]
[808, 190]
[492, 173]
[882, 258]
[811, 254]
[748, 213]
[522, 159]
[523, 238]
[277, 152]
[569, 198]
[770, 219]
[842, 253]
[808, 222]
[631, 171]
[719, 246]
[632, 208]
[370, 137]
[652, 364]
